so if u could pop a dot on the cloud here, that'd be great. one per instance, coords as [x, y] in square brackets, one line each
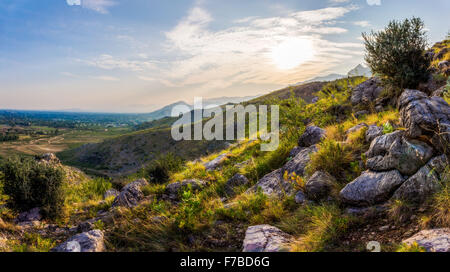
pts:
[100, 6]
[108, 62]
[338, 1]
[106, 78]
[362, 23]
[374, 2]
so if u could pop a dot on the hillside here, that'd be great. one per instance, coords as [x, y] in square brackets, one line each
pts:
[306, 91]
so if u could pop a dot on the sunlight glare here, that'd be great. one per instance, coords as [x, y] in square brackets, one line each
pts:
[292, 52]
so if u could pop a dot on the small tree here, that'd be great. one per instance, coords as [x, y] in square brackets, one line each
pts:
[31, 184]
[397, 53]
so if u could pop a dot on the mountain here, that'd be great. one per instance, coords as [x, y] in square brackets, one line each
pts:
[360, 70]
[329, 77]
[165, 111]
[306, 91]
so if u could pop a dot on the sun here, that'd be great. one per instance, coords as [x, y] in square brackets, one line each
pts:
[292, 52]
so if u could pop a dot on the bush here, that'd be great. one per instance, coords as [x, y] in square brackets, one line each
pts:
[30, 184]
[160, 169]
[397, 53]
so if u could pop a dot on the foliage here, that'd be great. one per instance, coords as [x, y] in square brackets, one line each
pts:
[31, 184]
[189, 208]
[388, 128]
[160, 169]
[414, 247]
[396, 53]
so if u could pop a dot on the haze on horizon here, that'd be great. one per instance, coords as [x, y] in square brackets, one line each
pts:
[139, 55]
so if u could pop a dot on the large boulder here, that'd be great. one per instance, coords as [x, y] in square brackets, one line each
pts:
[173, 190]
[425, 116]
[371, 188]
[367, 92]
[424, 183]
[319, 185]
[274, 185]
[434, 240]
[92, 241]
[373, 132]
[235, 181]
[312, 135]
[131, 194]
[265, 238]
[394, 151]
[298, 164]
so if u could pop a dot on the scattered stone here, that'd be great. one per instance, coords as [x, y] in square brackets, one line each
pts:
[211, 165]
[236, 181]
[92, 241]
[29, 216]
[424, 183]
[434, 240]
[312, 135]
[173, 190]
[425, 116]
[367, 92]
[373, 132]
[265, 238]
[111, 193]
[384, 228]
[394, 151]
[300, 198]
[361, 113]
[273, 184]
[298, 164]
[131, 194]
[356, 128]
[371, 188]
[319, 185]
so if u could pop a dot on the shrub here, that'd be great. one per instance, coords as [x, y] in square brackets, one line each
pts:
[31, 184]
[397, 53]
[160, 169]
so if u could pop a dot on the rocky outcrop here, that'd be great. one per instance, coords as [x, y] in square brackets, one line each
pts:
[425, 116]
[92, 241]
[273, 184]
[49, 158]
[319, 185]
[394, 151]
[29, 216]
[265, 238]
[424, 183]
[434, 240]
[300, 161]
[211, 165]
[373, 132]
[131, 194]
[312, 135]
[371, 188]
[235, 181]
[173, 190]
[367, 92]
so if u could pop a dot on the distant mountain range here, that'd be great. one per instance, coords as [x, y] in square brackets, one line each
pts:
[359, 70]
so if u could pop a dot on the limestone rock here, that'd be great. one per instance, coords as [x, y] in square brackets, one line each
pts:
[366, 92]
[393, 151]
[312, 135]
[434, 240]
[356, 128]
[273, 184]
[211, 165]
[174, 190]
[235, 181]
[373, 132]
[265, 238]
[300, 198]
[319, 185]
[300, 161]
[92, 241]
[371, 188]
[131, 194]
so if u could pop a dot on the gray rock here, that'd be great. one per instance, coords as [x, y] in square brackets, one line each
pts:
[366, 92]
[173, 190]
[425, 116]
[265, 238]
[371, 188]
[312, 135]
[29, 216]
[295, 151]
[423, 183]
[92, 241]
[443, 64]
[300, 198]
[300, 161]
[131, 194]
[111, 193]
[314, 100]
[361, 113]
[393, 151]
[319, 185]
[433, 240]
[211, 165]
[274, 185]
[439, 92]
[373, 132]
[356, 128]
[366, 211]
[235, 181]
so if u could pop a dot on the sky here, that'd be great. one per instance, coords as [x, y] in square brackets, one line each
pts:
[139, 55]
